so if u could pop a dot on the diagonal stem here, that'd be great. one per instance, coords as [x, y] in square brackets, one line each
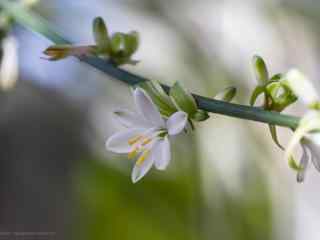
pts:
[35, 23]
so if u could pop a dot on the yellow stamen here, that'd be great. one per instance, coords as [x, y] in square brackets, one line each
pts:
[134, 140]
[143, 157]
[133, 153]
[146, 141]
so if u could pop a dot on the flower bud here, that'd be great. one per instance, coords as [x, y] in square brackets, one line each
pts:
[183, 99]
[226, 94]
[260, 69]
[100, 33]
[159, 97]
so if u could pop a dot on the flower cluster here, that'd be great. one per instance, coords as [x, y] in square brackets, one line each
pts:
[118, 48]
[157, 118]
[277, 94]
[308, 131]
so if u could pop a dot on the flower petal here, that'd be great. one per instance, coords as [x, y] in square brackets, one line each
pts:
[177, 122]
[147, 108]
[302, 87]
[118, 142]
[303, 163]
[162, 154]
[315, 154]
[139, 171]
[129, 119]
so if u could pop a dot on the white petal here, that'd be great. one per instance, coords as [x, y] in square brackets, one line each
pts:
[118, 142]
[139, 171]
[300, 133]
[162, 154]
[9, 64]
[303, 164]
[129, 119]
[302, 86]
[177, 122]
[147, 108]
[315, 154]
[315, 138]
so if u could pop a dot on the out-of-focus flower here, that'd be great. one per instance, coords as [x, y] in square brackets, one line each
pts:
[9, 64]
[308, 135]
[308, 131]
[147, 135]
[303, 88]
[118, 48]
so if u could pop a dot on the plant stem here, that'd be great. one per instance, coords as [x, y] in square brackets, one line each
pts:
[30, 20]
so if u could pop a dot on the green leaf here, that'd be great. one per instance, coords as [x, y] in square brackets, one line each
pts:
[256, 93]
[260, 69]
[274, 135]
[183, 99]
[100, 33]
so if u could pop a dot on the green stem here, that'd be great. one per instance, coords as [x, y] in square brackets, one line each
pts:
[30, 20]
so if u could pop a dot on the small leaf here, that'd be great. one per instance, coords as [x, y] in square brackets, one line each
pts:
[260, 69]
[183, 99]
[226, 94]
[274, 135]
[100, 33]
[256, 93]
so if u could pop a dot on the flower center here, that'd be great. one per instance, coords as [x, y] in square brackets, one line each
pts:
[142, 144]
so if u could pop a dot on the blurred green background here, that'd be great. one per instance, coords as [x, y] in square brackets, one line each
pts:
[226, 181]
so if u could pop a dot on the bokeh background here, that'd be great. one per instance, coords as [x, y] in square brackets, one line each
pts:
[226, 181]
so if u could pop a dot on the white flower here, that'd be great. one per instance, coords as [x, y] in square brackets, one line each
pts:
[302, 87]
[308, 135]
[308, 131]
[147, 135]
[9, 64]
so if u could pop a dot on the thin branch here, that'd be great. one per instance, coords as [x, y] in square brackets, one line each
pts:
[35, 23]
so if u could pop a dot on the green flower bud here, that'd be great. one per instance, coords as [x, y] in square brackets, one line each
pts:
[131, 43]
[101, 36]
[183, 99]
[159, 97]
[226, 94]
[281, 96]
[118, 44]
[260, 69]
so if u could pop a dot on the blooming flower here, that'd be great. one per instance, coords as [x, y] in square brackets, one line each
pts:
[308, 135]
[147, 135]
[308, 131]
